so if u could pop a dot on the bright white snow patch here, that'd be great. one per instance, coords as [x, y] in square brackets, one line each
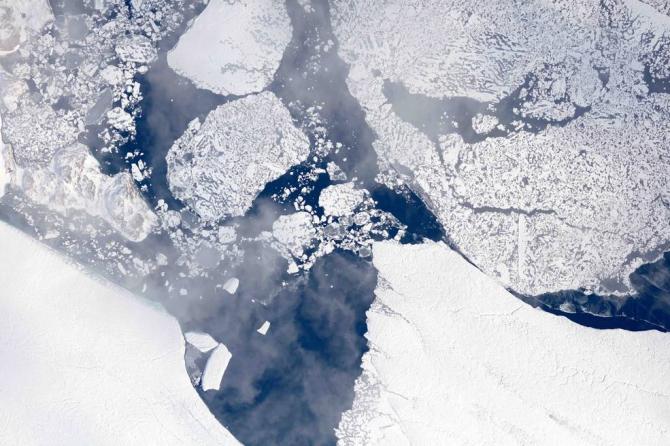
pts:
[341, 199]
[85, 362]
[231, 285]
[4, 174]
[201, 341]
[215, 368]
[219, 167]
[233, 47]
[456, 356]
[264, 328]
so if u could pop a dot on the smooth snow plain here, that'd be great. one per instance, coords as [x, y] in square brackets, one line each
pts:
[85, 362]
[456, 359]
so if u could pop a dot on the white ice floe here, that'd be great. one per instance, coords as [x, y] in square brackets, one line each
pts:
[233, 47]
[215, 368]
[202, 341]
[85, 362]
[456, 357]
[231, 285]
[73, 181]
[579, 203]
[341, 199]
[219, 167]
[20, 18]
[263, 329]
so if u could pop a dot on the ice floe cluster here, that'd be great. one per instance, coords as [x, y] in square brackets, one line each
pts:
[558, 179]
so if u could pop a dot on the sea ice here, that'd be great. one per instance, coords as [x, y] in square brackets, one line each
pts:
[572, 193]
[263, 329]
[85, 362]
[215, 368]
[233, 47]
[231, 285]
[202, 341]
[219, 167]
[455, 356]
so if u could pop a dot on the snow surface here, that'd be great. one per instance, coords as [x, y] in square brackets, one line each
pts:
[454, 356]
[233, 47]
[216, 366]
[219, 167]
[85, 362]
[202, 341]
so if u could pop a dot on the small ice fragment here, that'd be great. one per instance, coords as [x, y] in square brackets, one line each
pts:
[264, 328]
[201, 341]
[231, 285]
[215, 368]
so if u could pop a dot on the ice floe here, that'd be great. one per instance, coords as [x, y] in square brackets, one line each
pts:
[215, 368]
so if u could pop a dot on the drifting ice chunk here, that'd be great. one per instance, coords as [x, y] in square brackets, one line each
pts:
[201, 341]
[233, 47]
[231, 285]
[264, 328]
[215, 368]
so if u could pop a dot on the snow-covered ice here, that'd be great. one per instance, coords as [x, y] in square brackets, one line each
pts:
[578, 202]
[215, 368]
[85, 362]
[219, 167]
[20, 18]
[455, 356]
[73, 181]
[233, 47]
[341, 199]
[231, 285]
[263, 329]
[202, 341]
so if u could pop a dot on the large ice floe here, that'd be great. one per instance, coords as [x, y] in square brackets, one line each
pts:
[219, 166]
[233, 47]
[85, 362]
[532, 130]
[456, 359]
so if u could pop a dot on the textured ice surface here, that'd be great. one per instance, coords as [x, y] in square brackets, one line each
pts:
[85, 362]
[20, 18]
[73, 181]
[219, 167]
[233, 47]
[453, 355]
[571, 192]
[341, 199]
